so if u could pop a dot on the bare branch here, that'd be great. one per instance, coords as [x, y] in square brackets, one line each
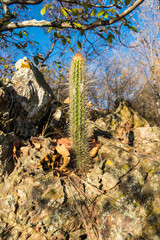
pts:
[7, 3]
[68, 24]
[29, 2]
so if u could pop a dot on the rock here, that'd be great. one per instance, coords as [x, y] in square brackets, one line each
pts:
[6, 153]
[26, 101]
[118, 199]
[131, 207]
[147, 140]
[32, 92]
[121, 123]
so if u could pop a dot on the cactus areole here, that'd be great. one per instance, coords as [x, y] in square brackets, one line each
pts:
[78, 110]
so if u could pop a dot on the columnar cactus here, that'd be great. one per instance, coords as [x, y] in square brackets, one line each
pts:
[78, 110]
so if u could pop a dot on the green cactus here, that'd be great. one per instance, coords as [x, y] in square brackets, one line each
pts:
[78, 110]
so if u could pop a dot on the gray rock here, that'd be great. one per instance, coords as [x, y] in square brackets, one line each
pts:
[32, 96]
[147, 140]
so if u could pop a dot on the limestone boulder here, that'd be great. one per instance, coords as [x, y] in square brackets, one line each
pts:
[32, 91]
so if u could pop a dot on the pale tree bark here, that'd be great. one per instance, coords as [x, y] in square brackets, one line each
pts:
[157, 95]
[61, 24]
[7, 3]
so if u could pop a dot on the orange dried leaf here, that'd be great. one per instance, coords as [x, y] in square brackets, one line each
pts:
[64, 141]
[66, 161]
[14, 150]
[93, 152]
[46, 158]
[61, 149]
[14, 154]
[67, 100]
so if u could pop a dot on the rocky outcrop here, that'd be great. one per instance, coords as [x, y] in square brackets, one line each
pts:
[116, 198]
[120, 124]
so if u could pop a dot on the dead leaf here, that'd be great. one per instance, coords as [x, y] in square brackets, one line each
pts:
[14, 154]
[89, 104]
[24, 151]
[67, 100]
[65, 141]
[57, 115]
[37, 146]
[93, 152]
[61, 149]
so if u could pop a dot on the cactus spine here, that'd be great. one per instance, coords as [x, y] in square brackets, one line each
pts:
[78, 110]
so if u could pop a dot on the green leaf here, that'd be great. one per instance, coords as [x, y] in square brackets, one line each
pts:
[118, 32]
[43, 10]
[57, 64]
[25, 33]
[86, 6]
[71, 49]
[78, 25]
[75, 12]
[127, 25]
[79, 44]
[20, 34]
[105, 14]
[17, 46]
[93, 13]
[112, 10]
[68, 40]
[61, 76]
[111, 35]
[36, 60]
[99, 34]
[58, 35]
[134, 29]
[64, 41]
[127, 2]
[109, 40]
[55, 35]
[64, 12]
[100, 13]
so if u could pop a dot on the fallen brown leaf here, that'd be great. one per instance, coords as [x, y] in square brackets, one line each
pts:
[93, 152]
[65, 141]
[61, 149]
[24, 151]
[67, 100]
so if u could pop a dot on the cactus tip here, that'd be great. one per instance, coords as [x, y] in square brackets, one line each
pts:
[78, 56]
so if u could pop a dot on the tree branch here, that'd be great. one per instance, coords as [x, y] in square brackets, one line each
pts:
[7, 3]
[67, 24]
[29, 2]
